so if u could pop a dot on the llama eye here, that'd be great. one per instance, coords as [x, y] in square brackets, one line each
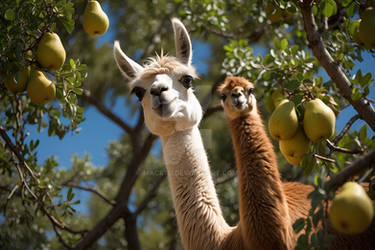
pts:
[186, 80]
[222, 97]
[139, 92]
[251, 91]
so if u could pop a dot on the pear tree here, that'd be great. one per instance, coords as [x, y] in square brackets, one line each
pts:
[297, 52]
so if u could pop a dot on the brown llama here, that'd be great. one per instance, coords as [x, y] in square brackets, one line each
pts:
[268, 207]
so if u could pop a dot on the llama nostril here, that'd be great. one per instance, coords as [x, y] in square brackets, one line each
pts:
[156, 91]
[236, 95]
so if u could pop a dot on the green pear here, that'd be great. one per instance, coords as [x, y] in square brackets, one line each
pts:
[40, 88]
[352, 210]
[318, 120]
[95, 21]
[367, 28]
[50, 52]
[283, 123]
[17, 82]
[293, 149]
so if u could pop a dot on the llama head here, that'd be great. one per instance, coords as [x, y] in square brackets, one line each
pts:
[164, 86]
[237, 98]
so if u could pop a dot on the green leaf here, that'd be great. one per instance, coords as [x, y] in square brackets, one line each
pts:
[9, 15]
[72, 63]
[78, 91]
[363, 133]
[70, 194]
[356, 94]
[283, 44]
[365, 80]
[299, 225]
[329, 8]
[292, 84]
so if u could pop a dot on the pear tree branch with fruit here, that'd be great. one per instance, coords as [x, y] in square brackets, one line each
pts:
[303, 106]
[39, 87]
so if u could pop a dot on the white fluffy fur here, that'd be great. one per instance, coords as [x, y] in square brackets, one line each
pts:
[199, 216]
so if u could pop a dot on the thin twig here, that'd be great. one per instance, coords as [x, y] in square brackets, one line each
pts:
[16, 151]
[92, 190]
[345, 129]
[60, 237]
[14, 189]
[324, 158]
[26, 185]
[211, 110]
[332, 147]
[226, 178]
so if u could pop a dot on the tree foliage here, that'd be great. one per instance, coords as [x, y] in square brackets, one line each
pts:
[306, 48]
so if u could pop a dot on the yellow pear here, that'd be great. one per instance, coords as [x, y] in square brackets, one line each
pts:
[293, 149]
[318, 121]
[352, 209]
[50, 52]
[95, 21]
[40, 88]
[367, 27]
[17, 83]
[283, 123]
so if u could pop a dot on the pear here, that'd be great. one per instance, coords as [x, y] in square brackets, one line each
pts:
[293, 149]
[318, 120]
[95, 21]
[367, 27]
[17, 82]
[40, 88]
[50, 52]
[352, 209]
[283, 123]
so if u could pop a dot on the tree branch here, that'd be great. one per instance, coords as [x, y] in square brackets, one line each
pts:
[106, 112]
[332, 147]
[356, 167]
[100, 228]
[212, 110]
[92, 190]
[133, 169]
[122, 197]
[363, 106]
[22, 161]
[320, 157]
[62, 241]
[151, 194]
[345, 129]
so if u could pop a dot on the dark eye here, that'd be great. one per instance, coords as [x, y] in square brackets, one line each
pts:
[251, 91]
[187, 81]
[222, 97]
[139, 92]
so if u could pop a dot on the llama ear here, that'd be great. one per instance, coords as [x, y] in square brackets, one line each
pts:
[182, 42]
[127, 66]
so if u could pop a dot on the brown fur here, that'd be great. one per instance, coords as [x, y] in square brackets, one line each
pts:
[268, 207]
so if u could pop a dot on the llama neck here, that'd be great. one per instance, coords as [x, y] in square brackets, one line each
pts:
[199, 216]
[264, 218]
